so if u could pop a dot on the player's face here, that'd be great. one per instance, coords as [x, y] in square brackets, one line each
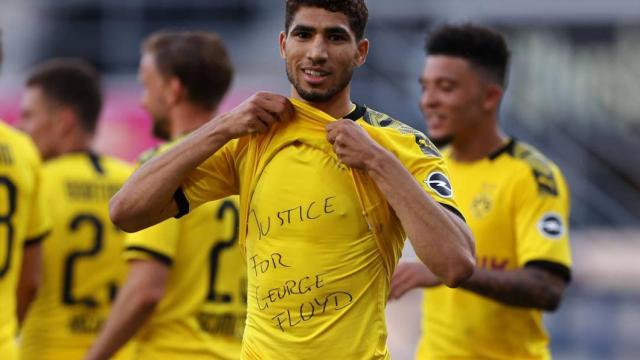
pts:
[452, 97]
[320, 52]
[38, 119]
[153, 95]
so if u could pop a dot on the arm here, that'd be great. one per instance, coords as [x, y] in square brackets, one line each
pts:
[134, 304]
[29, 277]
[441, 240]
[147, 197]
[528, 287]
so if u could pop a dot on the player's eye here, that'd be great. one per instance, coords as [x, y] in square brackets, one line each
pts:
[302, 34]
[446, 86]
[337, 37]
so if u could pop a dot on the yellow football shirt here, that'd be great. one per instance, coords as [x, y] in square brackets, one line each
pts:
[82, 258]
[203, 310]
[320, 239]
[516, 203]
[23, 218]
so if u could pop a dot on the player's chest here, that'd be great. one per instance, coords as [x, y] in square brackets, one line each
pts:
[304, 193]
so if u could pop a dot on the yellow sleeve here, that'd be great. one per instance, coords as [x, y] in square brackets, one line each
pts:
[215, 178]
[39, 218]
[542, 219]
[158, 242]
[422, 159]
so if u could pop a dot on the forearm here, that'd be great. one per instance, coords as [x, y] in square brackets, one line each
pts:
[29, 279]
[527, 287]
[441, 240]
[25, 298]
[147, 196]
[128, 314]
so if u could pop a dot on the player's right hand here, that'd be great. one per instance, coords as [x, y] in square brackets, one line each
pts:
[255, 115]
[410, 275]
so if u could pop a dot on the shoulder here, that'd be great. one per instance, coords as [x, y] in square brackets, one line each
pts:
[382, 120]
[536, 166]
[116, 166]
[19, 145]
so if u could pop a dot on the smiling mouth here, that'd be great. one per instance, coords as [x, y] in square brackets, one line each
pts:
[314, 77]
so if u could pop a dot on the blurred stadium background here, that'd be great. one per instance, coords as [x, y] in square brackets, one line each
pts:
[574, 93]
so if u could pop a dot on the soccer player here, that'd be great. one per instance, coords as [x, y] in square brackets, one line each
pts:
[514, 199]
[328, 190]
[24, 223]
[185, 295]
[82, 266]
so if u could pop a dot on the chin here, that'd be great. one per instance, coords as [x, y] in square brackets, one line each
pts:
[440, 141]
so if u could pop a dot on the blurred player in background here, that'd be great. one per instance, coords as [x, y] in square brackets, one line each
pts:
[185, 295]
[82, 263]
[24, 223]
[514, 199]
[324, 206]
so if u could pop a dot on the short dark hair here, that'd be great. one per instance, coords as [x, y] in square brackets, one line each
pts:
[355, 10]
[479, 45]
[198, 59]
[73, 83]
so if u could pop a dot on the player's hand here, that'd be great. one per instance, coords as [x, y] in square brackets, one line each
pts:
[354, 147]
[410, 275]
[255, 115]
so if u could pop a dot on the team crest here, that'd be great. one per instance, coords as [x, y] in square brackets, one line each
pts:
[482, 203]
[551, 226]
[439, 183]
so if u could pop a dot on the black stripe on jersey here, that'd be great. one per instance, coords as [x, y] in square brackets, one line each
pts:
[154, 254]
[182, 202]
[506, 148]
[552, 267]
[454, 211]
[36, 239]
[357, 113]
[95, 161]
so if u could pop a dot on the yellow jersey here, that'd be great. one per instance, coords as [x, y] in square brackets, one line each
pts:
[320, 240]
[516, 203]
[203, 310]
[23, 220]
[82, 258]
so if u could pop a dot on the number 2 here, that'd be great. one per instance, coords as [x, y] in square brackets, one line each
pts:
[67, 286]
[222, 244]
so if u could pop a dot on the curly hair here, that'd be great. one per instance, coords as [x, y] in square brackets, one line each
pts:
[355, 10]
[479, 45]
[198, 59]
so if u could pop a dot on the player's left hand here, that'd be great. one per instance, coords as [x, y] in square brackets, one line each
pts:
[352, 144]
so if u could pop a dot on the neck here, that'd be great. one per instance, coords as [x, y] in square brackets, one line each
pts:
[186, 118]
[76, 141]
[478, 142]
[338, 106]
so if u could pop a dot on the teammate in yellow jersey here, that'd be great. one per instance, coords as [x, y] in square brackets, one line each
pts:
[325, 202]
[514, 199]
[24, 223]
[185, 295]
[82, 264]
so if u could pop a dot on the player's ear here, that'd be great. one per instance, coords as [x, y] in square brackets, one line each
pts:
[282, 41]
[492, 97]
[361, 54]
[174, 91]
[66, 120]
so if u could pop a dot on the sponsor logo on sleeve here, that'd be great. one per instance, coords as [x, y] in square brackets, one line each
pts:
[439, 183]
[551, 226]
